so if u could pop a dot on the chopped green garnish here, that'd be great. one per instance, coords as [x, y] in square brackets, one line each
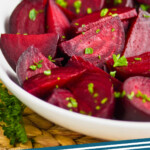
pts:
[69, 105]
[77, 5]
[99, 57]
[57, 86]
[114, 15]
[103, 12]
[119, 61]
[89, 50]
[144, 7]
[89, 10]
[32, 14]
[116, 2]
[63, 37]
[98, 108]
[76, 23]
[11, 112]
[82, 112]
[113, 29]
[103, 101]
[62, 3]
[91, 88]
[138, 59]
[33, 67]
[113, 73]
[98, 30]
[95, 95]
[40, 61]
[58, 78]
[47, 72]
[83, 25]
[110, 13]
[83, 33]
[146, 16]
[114, 9]
[72, 101]
[130, 96]
[119, 94]
[39, 65]
[143, 96]
[51, 59]
[25, 33]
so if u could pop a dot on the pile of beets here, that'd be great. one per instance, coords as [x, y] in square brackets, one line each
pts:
[87, 56]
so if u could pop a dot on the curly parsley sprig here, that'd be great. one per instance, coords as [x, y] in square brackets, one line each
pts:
[11, 110]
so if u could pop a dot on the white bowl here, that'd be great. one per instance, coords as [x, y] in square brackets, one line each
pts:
[92, 126]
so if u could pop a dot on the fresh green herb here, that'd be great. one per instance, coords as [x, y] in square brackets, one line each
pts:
[131, 95]
[33, 67]
[119, 94]
[62, 3]
[114, 9]
[47, 72]
[33, 14]
[98, 30]
[103, 12]
[113, 73]
[89, 50]
[51, 59]
[143, 96]
[77, 5]
[119, 61]
[76, 23]
[25, 33]
[11, 110]
[72, 102]
[113, 29]
[89, 10]
[58, 78]
[83, 25]
[103, 101]
[144, 7]
[114, 15]
[98, 108]
[146, 16]
[63, 37]
[83, 33]
[91, 88]
[116, 2]
[57, 86]
[138, 59]
[95, 95]
[99, 57]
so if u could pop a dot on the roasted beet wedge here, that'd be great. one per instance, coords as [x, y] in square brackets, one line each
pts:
[28, 17]
[77, 61]
[94, 94]
[13, 45]
[138, 38]
[32, 62]
[63, 99]
[137, 65]
[84, 7]
[118, 3]
[87, 22]
[97, 44]
[42, 84]
[144, 2]
[57, 22]
[136, 103]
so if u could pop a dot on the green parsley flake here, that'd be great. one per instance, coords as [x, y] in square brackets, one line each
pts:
[89, 10]
[72, 102]
[146, 16]
[116, 2]
[95, 95]
[82, 112]
[62, 3]
[57, 86]
[99, 57]
[113, 73]
[119, 61]
[89, 50]
[47, 72]
[113, 29]
[91, 88]
[98, 30]
[143, 96]
[119, 94]
[114, 9]
[33, 67]
[77, 5]
[138, 59]
[103, 101]
[83, 25]
[69, 105]
[144, 7]
[76, 23]
[83, 33]
[25, 33]
[131, 95]
[63, 37]
[98, 108]
[50, 58]
[39, 66]
[114, 15]
[103, 12]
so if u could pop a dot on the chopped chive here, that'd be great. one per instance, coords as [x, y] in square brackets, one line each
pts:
[25, 33]
[98, 30]
[63, 37]
[131, 95]
[50, 58]
[114, 9]
[95, 95]
[77, 5]
[91, 88]
[119, 61]
[33, 67]
[89, 10]
[99, 57]
[116, 2]
[76, 23]
[69, 105]
[83, 25]
[33, 14]
[98, 108]
[57, 86]
[114, 15]
[83, 33]
[62, 3]
[146, 16]
[113, 73]
[138, 59]
[39, 65]
[47, 72]
[89, 50]
[103, 101]
[103, 12]
[113, 29]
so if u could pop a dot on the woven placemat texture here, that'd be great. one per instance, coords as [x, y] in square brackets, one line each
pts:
[43, 133]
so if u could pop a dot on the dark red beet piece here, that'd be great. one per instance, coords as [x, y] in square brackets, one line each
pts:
[102, 41]
[20, 22]
[57, 22]
[87, 22]
[41, 84]
[14, 45]
[138, 38]
[116, 3]
[144, 2]
[94, 94]
[63, 99]
[137, 108]
[137, 65]
[32, 57]
[84, 5]
[76, 61]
